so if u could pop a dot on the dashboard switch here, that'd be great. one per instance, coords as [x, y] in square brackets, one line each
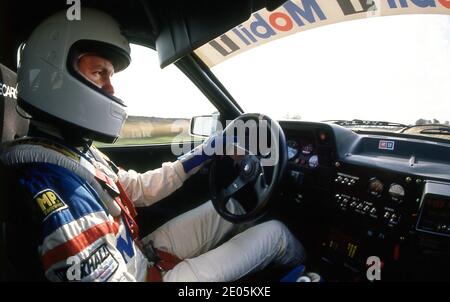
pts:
[297, 176]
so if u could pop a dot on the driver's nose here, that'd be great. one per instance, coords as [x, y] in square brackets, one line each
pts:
[108, 87]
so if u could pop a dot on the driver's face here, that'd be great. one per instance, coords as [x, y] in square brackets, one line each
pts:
[97, 70]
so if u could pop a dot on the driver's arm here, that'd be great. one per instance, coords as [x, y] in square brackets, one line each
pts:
[147, 188]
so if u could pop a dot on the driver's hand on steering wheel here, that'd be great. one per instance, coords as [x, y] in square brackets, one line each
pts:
[205, 152]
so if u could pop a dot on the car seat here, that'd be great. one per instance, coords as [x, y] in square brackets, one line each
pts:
[12, 246]
[12, 124]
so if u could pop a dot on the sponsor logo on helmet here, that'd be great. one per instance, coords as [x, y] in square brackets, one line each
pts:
[8, 91]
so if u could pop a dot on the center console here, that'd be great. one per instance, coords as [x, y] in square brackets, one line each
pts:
[370, 196]
[396, 217]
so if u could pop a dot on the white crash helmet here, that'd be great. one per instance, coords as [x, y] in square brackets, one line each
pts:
[51, 89]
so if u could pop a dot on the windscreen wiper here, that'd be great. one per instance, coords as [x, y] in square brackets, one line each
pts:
[366, 123]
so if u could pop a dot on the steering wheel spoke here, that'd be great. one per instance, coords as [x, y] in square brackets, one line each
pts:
[235, 186]
[260, 186]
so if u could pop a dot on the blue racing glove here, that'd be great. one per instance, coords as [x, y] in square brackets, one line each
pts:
[197, 157]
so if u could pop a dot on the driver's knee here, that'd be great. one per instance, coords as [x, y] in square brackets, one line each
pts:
[290, 251]
[234, 207]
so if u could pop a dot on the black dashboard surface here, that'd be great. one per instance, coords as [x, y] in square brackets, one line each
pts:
[335, 144]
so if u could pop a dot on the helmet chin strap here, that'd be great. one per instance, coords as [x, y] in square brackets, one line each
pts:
[70, 136]
[46, 128]
[76, 140]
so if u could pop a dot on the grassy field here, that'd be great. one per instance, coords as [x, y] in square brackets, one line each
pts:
[167, 139]
[140, 130]
[418, 129]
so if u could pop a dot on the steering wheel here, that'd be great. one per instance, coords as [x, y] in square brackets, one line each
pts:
[250, 167]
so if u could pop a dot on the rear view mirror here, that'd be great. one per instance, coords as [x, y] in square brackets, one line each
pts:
[203, 125]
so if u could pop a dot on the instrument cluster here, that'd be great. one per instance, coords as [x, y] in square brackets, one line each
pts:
[303, 152]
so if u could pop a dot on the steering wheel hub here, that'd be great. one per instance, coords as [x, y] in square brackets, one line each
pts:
[249, 167]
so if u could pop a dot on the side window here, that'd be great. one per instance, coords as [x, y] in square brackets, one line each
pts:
[160, 102]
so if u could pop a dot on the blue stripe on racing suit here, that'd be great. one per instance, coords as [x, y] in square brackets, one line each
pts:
[79, 197]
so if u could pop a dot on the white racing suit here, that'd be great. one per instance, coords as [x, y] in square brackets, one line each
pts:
[85, 237]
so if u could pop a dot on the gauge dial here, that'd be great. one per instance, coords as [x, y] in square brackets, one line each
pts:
[292, 152]
[307, 149]
[313, 161]
[375, 187]
[397, 192]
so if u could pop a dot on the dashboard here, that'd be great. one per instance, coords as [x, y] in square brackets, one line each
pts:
[371, 194]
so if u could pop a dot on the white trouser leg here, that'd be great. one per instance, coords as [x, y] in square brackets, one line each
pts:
[194, 232]
[191, 236]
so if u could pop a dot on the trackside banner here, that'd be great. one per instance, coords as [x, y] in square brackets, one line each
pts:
[299, 15]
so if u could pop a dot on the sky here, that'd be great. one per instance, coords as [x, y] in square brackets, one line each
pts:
[390, 68]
